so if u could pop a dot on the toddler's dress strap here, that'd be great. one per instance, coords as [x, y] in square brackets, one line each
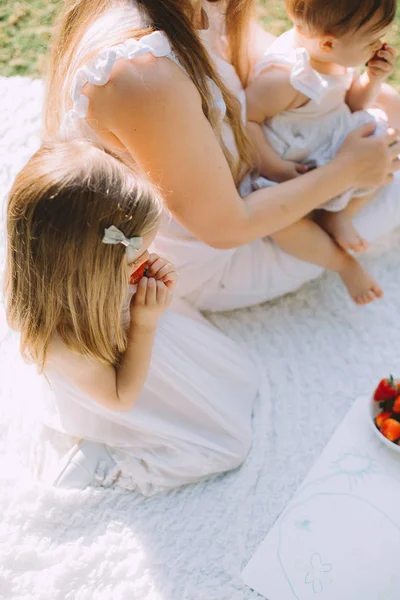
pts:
[303, 77]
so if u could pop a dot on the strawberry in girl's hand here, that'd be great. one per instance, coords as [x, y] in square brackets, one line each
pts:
[391, 429]
[381, 418]
[137, 275]
[386, 390]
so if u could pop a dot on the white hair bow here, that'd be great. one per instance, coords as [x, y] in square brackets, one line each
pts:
[113, 235]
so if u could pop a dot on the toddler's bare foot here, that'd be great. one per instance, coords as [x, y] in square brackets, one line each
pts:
[361, 286]
[342, 230]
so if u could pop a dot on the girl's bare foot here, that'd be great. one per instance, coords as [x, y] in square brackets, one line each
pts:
[341, 228]
[361, 286]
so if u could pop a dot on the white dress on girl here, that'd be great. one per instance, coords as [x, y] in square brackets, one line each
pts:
[192, 418]
[315, 131]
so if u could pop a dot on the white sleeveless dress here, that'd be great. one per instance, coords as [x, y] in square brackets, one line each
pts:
[212, 279]
[315, 131]
[191, 420]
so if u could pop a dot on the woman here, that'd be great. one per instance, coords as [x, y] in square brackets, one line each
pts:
[163, 108]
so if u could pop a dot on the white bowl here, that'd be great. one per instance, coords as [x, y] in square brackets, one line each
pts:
[374, 410]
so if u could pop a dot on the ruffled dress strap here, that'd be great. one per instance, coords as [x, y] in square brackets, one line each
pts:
[303, 77]
[98, 72]
[307, 80]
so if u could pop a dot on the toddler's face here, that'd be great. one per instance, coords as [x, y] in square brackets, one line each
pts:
[357, 48]
[353, 49]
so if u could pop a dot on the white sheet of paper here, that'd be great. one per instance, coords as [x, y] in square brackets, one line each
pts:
[339, 537]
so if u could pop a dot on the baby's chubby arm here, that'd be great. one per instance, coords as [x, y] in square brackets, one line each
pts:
[366, 88]
[268, 95]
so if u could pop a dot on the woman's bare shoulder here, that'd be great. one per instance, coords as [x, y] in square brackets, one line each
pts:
[143, 83]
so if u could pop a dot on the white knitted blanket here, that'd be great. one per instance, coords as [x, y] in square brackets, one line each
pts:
[319, 352]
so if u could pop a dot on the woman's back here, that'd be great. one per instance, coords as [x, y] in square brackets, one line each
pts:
[196, 262]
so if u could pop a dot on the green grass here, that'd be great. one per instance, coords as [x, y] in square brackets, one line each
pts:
[25, 31]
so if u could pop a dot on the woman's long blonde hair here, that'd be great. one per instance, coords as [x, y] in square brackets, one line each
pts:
[77, 40]
[60, 277]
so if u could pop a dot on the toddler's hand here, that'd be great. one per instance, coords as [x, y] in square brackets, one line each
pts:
[162, 270]
[382, 64]
[289, 170]
[150, 301]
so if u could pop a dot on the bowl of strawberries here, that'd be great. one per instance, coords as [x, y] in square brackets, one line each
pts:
[385, 412]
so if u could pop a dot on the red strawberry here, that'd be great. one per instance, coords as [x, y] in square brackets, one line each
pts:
[391, 430]
[386, 390]
[137, 275]
[396, 405]
[381, 418]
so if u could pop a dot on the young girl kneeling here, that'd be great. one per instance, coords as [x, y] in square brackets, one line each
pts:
[160, 399]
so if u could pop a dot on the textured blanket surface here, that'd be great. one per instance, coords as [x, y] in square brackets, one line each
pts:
[318, 352]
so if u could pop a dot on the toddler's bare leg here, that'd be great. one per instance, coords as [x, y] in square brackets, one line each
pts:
[340, 226]
[309, 242]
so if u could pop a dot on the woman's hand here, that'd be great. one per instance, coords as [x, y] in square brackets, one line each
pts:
[373, 159]
[151, 300]
[162, 270]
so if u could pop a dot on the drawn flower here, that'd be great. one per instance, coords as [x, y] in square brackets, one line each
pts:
[318, 575]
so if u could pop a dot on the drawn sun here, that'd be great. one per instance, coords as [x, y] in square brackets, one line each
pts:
[355, 465]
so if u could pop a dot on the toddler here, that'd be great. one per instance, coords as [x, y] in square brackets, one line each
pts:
[304, 99]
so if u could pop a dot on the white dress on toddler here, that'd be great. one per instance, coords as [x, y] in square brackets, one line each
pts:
[315, 131]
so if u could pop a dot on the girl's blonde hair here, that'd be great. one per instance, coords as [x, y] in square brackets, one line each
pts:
[81, 33]
[60, 278]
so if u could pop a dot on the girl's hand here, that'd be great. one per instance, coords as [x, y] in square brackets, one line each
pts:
[162, 270]
[373, 159]
[148, 304]
[382, 64]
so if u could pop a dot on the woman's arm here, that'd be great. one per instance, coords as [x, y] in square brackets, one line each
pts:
[155, 111]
